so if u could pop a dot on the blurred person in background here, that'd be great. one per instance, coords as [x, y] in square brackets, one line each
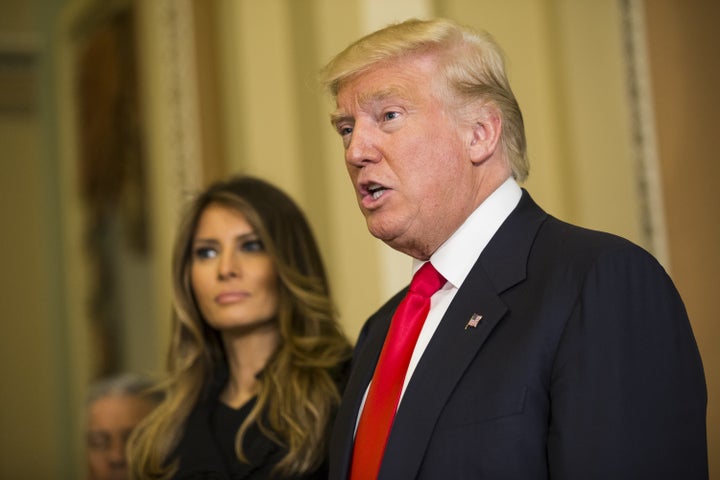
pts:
[115, 405]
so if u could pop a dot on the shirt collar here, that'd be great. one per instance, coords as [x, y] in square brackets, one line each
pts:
[457, 255]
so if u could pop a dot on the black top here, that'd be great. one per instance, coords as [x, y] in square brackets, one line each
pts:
[224, 423]
[206, 450]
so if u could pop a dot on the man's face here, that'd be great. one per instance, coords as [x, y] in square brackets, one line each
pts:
[110, 422]
[406, 154]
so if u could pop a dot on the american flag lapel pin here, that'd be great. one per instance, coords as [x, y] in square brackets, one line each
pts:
[474, 320]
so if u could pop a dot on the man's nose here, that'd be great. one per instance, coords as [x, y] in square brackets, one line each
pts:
[362, 147]
[116, 454]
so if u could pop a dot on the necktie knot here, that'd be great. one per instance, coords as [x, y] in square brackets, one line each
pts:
[426, 281]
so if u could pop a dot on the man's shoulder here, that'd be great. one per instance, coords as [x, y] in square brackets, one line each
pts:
[562, 233]
[564, 246]
[567, 237]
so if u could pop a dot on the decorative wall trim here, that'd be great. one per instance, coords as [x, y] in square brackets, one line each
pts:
[647, 164]
[176, 52]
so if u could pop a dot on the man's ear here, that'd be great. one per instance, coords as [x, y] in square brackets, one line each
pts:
[485, 134]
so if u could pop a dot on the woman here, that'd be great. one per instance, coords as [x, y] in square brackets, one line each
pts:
[257, 359]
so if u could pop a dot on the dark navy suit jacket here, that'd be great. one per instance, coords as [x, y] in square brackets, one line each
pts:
[584, 366]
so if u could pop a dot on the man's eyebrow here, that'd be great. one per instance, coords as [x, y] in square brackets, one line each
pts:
[338, 117]
[368, 98]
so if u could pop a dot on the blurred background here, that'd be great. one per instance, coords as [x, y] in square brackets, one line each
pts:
[112, 112]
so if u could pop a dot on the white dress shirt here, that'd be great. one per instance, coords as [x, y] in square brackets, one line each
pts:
[455, 258]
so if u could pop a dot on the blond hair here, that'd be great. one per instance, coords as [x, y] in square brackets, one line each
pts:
[471, 64]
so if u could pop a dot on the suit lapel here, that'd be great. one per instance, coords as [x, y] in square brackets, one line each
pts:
[453, 347]
[447, 356]
[449, 353]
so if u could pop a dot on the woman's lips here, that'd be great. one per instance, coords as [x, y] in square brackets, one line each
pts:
[231, 297]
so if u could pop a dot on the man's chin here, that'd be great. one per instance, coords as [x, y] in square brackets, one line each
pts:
[389, 238]
[380, 231]
[116, 474]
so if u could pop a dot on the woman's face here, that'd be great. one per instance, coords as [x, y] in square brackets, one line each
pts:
[232, 276]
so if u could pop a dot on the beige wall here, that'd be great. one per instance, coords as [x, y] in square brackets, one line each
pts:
[682, 40]
[256, 105]
[32, 401]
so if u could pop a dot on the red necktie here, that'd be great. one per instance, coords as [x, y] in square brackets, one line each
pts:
[382, 399]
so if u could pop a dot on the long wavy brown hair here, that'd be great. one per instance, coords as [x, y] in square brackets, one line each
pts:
[297, 393]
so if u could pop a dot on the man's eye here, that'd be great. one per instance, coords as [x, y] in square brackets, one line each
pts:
[343, 131]
[254, 245]
[390, 115]
[98, 441]
[204, 252]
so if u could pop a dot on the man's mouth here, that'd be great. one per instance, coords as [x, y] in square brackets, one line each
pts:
[375, 190]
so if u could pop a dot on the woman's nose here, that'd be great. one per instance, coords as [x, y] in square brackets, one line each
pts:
[228, 266]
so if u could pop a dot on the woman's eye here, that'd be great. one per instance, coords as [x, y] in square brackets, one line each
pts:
[204, 252]
[254, 245]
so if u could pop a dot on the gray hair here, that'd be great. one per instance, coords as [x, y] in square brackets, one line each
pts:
[124, 384]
